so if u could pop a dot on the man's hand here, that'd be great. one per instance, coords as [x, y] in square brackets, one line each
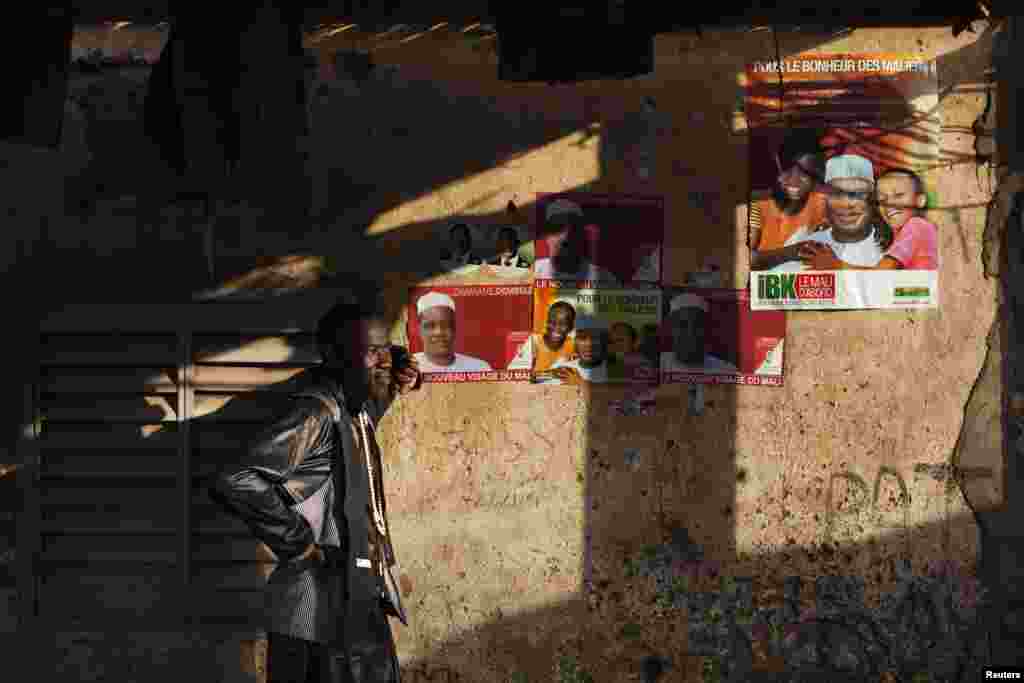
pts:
[567, 375]
[408, 378]
[817, 256]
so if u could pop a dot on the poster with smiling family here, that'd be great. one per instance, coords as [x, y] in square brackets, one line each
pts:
[840, 148]
[594, 335]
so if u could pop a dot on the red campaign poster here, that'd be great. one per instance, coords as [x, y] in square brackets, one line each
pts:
[599, 240]
[470, 333]
[711, 336]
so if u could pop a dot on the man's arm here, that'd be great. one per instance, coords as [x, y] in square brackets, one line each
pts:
[766, 260]
[253, 489]
[821, 257]
[404, 380]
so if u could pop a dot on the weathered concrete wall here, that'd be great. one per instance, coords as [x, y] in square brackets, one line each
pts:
[514, 508]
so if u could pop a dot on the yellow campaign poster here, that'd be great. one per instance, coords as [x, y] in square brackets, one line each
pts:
[595, 335]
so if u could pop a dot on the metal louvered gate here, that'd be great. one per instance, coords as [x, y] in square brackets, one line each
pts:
[133, 408]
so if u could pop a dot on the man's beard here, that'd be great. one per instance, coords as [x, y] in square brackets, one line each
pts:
[379, 384]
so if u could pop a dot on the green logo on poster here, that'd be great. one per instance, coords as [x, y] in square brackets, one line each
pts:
[772, 286]
[911, 292]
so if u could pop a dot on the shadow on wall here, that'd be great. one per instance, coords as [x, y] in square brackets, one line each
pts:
[689, 479]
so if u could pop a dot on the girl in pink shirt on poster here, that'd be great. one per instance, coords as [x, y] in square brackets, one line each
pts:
[915, 246]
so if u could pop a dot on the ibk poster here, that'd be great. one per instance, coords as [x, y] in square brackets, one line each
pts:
[471, 333]
[839, 211]
[712, 336]
[591, 240]
[594, 335]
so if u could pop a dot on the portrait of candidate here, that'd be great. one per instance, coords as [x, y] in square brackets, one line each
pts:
[507, 249]
[853, 231]
[687, 320]
[901, 199]
[437, 322]
[459, 251]
[591, 362]
[566, 242]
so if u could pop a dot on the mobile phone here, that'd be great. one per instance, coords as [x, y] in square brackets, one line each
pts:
[399, 358]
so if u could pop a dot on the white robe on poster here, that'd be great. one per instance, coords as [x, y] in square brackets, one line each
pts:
[461, 364]
[712, 365]
[863, 253]
[543, 269]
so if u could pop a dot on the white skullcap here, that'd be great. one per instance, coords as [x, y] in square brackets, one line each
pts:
[434, 299]
[562, 207]
[590, 322]
[849, 166]
[688, 301]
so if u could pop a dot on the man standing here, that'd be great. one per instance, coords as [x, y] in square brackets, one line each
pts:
[853, 231]
[567, 246]
[591, 364]
[311, 489]
[688, 321]
[436, 312]
[794, 203]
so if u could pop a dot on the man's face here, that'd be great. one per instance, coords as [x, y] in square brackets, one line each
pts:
[897, 199]
[506, 243]
[622, 341]
[558, 327]
[437, 327]
[566, 246]
[592, 347]
[688, 332]
[362, 354]
[460, 239]
[797, 181]
[849, 208]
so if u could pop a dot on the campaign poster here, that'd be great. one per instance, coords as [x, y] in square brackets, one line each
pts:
[509, 251]
[470, 333]
[593, 240]
[474, 253]
[460, 248]
[712, 336]
[594, 335]
[839, 211]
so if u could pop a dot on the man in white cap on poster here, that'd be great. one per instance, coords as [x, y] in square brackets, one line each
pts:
[852, 230]
[436, 313]
[567, 245]
[591, 362]
[687, 317]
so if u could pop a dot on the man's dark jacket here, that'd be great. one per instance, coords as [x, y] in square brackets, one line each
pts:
[288, 462]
